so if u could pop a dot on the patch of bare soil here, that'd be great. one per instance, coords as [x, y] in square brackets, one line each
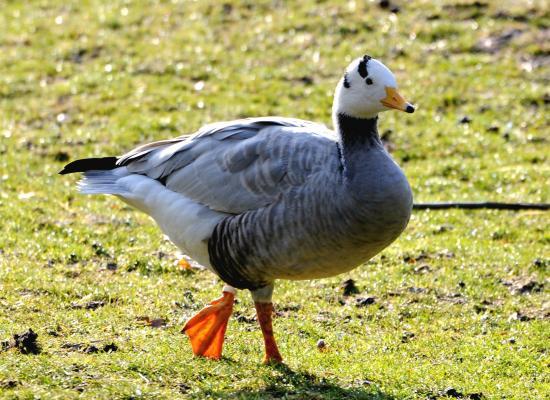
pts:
[494, 43]
[523, 285]
[25, 342]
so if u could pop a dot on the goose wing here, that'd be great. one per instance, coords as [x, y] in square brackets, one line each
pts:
[237, 166]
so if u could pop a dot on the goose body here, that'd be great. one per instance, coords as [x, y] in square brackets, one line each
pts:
[261, 199]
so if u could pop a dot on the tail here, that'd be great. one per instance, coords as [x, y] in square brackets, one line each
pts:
[101, 175]
[88, 164]
[104, 182]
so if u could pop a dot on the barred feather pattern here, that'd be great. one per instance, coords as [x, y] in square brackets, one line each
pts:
[260, 199]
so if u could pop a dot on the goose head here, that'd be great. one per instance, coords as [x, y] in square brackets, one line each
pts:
[367, 88]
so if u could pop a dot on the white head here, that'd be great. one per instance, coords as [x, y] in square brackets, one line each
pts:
[367, 88]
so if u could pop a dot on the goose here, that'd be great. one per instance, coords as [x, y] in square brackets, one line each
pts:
[260, 199]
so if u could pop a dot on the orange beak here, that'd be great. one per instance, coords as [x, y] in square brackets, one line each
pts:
[394, 100]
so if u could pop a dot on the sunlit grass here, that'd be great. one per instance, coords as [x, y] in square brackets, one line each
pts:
[91, 78]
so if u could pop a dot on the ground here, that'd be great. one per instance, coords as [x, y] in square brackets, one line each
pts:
[457, 307]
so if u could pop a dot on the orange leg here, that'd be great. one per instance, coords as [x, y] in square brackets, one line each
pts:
[206, 329]
[264, 313]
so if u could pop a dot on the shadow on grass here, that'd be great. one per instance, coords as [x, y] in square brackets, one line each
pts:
[281, 382]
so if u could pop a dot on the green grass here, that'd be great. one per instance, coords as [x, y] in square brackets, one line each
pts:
[89, 78]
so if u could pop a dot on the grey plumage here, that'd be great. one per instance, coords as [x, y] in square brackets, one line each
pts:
[260, 199]
[328, 223]
[235, 166]
[290, 199]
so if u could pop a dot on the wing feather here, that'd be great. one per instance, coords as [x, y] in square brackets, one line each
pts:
[238, 165]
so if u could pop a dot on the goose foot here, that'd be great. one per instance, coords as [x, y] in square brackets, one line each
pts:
[264, 312]
[206, 329]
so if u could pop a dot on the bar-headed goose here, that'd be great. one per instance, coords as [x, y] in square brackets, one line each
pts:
[260, 199]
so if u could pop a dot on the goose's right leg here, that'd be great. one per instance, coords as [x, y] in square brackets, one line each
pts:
[206, 329]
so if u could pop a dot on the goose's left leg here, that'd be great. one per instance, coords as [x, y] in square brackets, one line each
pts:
[264, 313]
[206, 329]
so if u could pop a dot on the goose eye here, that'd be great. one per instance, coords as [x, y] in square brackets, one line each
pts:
[369, 81]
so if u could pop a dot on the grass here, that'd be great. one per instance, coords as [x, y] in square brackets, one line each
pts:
[461, 303]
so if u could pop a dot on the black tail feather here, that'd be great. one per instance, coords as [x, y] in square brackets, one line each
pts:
[87, 164]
